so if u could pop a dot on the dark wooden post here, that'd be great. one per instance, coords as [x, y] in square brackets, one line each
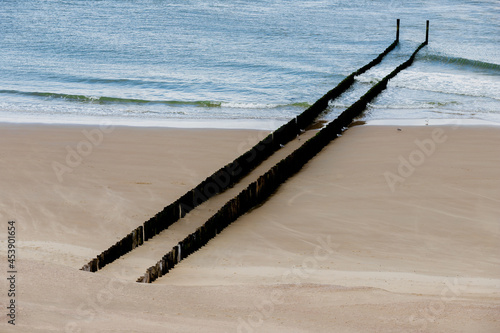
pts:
[427, 33]
[397, 30]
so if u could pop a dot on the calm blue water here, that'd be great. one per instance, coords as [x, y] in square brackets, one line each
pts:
[156, 62]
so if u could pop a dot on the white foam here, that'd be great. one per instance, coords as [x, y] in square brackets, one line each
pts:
[431, 122]
[257, 124]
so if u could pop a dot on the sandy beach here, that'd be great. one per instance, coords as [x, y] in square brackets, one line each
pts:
[389, 229]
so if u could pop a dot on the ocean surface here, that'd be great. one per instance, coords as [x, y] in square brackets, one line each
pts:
[242, 63]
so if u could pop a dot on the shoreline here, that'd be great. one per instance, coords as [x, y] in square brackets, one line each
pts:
[243, 124]
[247, 124]
[430, 122]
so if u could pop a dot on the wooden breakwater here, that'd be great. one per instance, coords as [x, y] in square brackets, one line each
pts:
[124, 245]
[260, 190]
[229, 175]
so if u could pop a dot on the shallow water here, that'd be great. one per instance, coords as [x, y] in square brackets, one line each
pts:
[158, 62]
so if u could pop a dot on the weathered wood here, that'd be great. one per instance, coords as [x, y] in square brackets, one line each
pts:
[427, 33]
[397, 30]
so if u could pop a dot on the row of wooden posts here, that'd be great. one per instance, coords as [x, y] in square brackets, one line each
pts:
[124, 245]
[260, 190]
[228, 175]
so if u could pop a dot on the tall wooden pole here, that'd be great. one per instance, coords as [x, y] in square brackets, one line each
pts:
[397, 30]
[427, 33]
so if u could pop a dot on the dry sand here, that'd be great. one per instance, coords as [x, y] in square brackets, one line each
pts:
[359, 240]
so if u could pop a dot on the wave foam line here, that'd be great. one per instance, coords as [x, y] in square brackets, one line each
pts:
[118, 100]
[461, 62]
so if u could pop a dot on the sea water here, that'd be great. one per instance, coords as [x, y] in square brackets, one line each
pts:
[258, 63]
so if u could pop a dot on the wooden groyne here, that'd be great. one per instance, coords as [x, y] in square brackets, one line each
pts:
[229, 175]
[260, 190]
